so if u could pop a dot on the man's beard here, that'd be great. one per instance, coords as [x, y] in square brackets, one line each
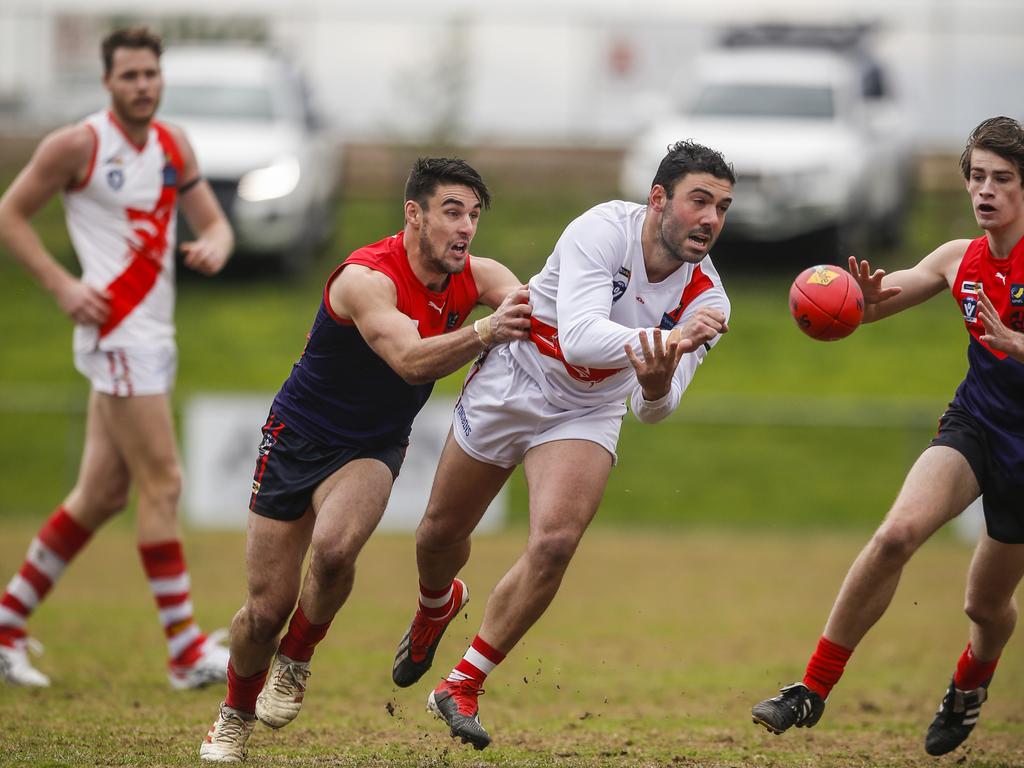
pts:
[434, 261]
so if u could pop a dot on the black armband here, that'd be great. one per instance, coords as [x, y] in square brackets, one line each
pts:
[188, 185]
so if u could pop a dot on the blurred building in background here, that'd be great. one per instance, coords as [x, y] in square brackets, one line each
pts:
[560, 72]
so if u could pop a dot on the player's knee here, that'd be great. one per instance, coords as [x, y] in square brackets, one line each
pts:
[894, 542]
[552, 550]
[332, 562]
[986, 612]
[262, 620]
[163, 487]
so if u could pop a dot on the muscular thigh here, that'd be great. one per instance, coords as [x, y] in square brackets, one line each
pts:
[939, 486]
[349, 504]
[566, 481]
[142, 429]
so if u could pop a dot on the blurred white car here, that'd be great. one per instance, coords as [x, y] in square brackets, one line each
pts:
[812, 154]
[272, 165]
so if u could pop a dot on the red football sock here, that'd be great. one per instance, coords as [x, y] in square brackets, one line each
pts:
[826, 666]
[300, 641]
[479, 661]
[242, 691]
[56, 544]
[971, 672]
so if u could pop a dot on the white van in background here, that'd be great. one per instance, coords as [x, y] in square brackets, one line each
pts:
[259, 142]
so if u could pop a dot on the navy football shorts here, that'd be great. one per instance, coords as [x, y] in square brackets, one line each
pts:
[289, 468]
[1004, 516]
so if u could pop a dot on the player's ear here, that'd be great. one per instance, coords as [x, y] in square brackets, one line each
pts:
[413, 213]
[657, 197]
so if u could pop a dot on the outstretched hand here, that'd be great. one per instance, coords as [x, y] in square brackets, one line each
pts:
[997, 335]
[511, 320]
[871, 282]
[654, 371]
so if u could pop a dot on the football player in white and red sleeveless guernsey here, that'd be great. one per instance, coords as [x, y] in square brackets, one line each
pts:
[621, 277]
[978, 450]
[122, 175]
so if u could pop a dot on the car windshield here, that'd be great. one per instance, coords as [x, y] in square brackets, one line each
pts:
[765, 100]
[236, 102]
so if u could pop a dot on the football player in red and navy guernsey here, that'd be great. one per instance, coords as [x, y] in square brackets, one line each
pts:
[390, 323]
[979, 450]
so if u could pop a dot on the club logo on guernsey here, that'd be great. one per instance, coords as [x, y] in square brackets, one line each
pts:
[452, 321]
[115, 178]
[1017, 294]
[170, 175]
[619, 283]
[970, 306]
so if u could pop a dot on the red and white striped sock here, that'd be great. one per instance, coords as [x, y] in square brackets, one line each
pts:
[437, 604]
[479, 661]
[971, 672]
[50, 552]
[164, 564]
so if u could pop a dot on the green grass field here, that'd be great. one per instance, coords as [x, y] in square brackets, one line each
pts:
[652, 655]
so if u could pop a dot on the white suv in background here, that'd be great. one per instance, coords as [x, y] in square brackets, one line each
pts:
[813, 156]
[259, 142]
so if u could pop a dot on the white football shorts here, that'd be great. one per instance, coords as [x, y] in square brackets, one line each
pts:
[502, 413]
[130, 372]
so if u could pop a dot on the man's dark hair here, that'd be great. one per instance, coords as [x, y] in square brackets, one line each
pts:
[1002, 136]
[685, 157]
[429, 172]
[129, 37]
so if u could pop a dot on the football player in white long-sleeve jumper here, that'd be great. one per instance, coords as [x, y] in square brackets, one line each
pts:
[626, 308]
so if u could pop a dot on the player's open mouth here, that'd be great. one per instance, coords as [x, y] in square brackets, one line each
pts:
[986, 208]
[460, 248]
[699, 239]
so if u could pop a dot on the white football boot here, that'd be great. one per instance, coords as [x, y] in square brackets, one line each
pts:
[225, 742]
[16, 669]
[210, 667]
[281, 698]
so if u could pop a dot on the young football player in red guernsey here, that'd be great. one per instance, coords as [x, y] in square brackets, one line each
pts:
[979, 450]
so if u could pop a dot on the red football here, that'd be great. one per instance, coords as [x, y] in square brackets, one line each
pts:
[826, 302]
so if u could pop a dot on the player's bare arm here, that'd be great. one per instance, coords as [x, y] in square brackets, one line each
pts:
[997, 334]
[60, 161]
[209, 252]
[497, 284]
[887, 294]
[368, 298]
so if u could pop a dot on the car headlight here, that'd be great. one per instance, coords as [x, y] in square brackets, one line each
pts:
[278, 179]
